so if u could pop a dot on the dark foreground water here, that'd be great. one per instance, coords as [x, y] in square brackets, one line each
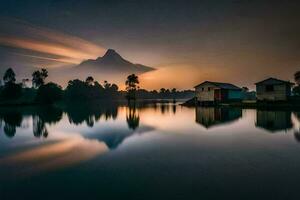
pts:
[152, 152]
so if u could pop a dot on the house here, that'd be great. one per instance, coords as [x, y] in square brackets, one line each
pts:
[273, 89]
[217, 92]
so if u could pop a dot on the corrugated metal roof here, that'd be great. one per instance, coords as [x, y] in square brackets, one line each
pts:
[274, 81]
[227, 86]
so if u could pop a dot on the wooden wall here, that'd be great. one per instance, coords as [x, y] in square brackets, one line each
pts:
[279, 94]
[205, 95]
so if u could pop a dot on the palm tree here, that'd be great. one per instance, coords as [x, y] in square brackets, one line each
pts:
[38, 77]
[297, 77]
[131, 86]
[9, 76]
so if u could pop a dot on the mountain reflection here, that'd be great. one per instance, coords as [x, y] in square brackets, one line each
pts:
[212, 116]
[274, 121]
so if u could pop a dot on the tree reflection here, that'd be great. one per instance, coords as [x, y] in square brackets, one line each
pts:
[297, 135]
[39, 127]
[164, 108]
[132, 117]
[174, 107]
[12, 118]
[90, 113]
[297, 131]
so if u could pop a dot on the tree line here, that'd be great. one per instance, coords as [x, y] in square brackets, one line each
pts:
[43, 92]
[296, 89]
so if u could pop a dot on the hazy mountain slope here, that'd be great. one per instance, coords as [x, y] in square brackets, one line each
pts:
[112, 62]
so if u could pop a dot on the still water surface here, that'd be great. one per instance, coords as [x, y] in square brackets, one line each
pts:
[160, 151]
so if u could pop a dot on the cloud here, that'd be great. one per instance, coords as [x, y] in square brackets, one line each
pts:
[35, 39]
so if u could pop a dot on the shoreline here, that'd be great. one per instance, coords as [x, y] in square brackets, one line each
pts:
[288, 105]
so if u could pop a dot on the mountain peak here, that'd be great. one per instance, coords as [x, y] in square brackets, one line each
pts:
[111, 53]
[113, 62]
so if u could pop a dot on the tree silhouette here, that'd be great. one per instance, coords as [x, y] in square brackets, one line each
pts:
[38, 77]
[297, 77]
[106, 85]
[162, 90]
[131, 86]
[89, 80]
[296, 89]
[9, 76]
[49, 93]
[11, 90]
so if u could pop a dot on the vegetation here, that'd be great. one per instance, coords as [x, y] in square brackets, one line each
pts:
[38, 78]
[9, 76]
[131, 86]
[11, 90]
[90, 90]
[49, 93]
[296, 89]
[12, 93]
[297, 77]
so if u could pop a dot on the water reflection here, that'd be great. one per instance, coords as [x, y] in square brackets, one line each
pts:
[13, 119]
[296, 122]
[90, 114]
[174, 108]
[58, 154]
[96, 142]
[212, 116]
[132, 117]
[274, 121]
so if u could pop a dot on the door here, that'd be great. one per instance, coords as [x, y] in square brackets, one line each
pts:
[217, 95]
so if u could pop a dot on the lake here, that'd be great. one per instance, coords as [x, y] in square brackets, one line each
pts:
[155, 151]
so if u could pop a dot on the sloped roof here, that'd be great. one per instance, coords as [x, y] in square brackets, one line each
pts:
[227, 86]
[274, 81]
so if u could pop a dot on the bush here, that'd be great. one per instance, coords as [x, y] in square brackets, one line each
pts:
[49, 93]
[11, 91]
[296, 91]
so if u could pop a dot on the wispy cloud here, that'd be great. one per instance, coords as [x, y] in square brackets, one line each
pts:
[66, 48]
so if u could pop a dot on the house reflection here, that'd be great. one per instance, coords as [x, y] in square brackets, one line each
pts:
[212, 116]
[274, 121]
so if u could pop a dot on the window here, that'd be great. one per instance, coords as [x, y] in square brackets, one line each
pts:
[269, 88]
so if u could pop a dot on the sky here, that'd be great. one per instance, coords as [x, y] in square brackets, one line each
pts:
[236, 41]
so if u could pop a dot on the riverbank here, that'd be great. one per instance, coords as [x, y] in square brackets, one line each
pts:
[291, 104]
[65, 103]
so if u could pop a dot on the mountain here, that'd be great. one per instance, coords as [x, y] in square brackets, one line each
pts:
[112, 62]
[111, 67]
